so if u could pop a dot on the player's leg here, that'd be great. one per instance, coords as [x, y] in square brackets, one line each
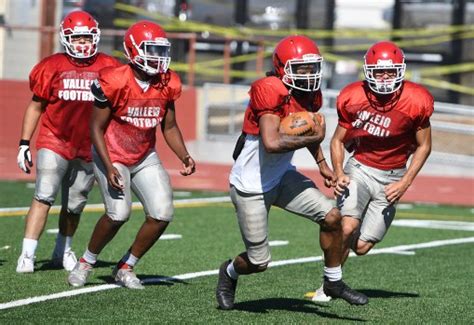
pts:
[350, 235]
[378, 218]
[379, 213]
[151, 184]
[50, 169]
[77, 184]
[353, 205]
[118, 209]
[299, 195]
[252, 214]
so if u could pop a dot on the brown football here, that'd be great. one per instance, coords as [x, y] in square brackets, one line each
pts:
[299, 123]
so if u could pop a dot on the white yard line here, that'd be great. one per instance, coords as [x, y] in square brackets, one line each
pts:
[434, 224]
[21, 211]
[186, 276]
[274, 243]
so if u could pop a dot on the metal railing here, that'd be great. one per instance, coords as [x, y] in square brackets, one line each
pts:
[224, 107]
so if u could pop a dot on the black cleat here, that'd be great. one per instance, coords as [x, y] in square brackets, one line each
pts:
[339, 289]
[225, 291]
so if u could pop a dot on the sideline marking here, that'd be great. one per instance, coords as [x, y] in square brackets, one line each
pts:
[99, 207]
[186, 276]
[435, 224]
[274, 243]
[170, 236]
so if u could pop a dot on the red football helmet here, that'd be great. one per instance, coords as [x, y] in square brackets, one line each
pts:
[147, 47]
[298, 62]
[384, 58]
[79, 23]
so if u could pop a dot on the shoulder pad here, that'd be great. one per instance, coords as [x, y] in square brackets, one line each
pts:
[267, 93]
[174, 85]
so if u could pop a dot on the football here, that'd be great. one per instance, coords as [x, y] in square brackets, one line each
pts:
[299, 123]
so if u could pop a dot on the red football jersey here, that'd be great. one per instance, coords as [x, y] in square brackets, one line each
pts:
[64, 126]
[270, 95]
[383, 136]
[131, 133]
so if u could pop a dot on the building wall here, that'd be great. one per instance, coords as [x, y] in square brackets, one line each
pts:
[19, 49]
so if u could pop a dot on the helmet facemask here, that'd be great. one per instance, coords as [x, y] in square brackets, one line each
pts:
[305, 73]
[153, 57]
[76, 49]
[382, 86]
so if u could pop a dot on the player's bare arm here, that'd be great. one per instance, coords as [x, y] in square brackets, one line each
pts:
[337, 159]
[324, 169]
[396, 190]
[174, 139]
[30, 121]
[276, 142]
[100, 119]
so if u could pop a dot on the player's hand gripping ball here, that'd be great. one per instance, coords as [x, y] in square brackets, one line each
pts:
[299, 123]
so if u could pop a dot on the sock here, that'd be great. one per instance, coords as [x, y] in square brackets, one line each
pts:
[333, 274]
[89, 257]
[59, 248]
[29, 247]
[63, 244]
[128, 260]
[231, 271]
[68, 243]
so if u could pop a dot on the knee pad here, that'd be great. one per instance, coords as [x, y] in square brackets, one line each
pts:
[76, 206]
[119, 216]
[262, 267]
[116, 222]
[164, 212]
[162, 217]
[47, 202]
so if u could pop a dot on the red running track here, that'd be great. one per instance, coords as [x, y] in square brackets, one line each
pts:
[214, 177]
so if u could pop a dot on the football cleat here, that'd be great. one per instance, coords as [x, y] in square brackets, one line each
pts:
[79, 274]
[225, 291]
[26, 264]
[127, 278]
[67, 261]
[320, 296]
[338, 289]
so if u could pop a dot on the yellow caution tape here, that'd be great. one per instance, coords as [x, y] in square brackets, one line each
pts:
[174, 24]
[418, 38]
[436, 83]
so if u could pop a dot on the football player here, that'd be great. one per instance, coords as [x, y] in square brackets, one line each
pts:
[263, 175]
[131, 101]
[384, 120]
[62, 105]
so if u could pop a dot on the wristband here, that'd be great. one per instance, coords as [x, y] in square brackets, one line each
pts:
[185, 158]
[24, 142]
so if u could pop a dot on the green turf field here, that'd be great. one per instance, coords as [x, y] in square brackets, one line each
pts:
[412, 285]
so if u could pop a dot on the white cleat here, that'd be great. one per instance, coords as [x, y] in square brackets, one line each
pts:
[69, 260]
[66, 261]
[320, 296]
[127, 278]
[79, 274]
[26, 264]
